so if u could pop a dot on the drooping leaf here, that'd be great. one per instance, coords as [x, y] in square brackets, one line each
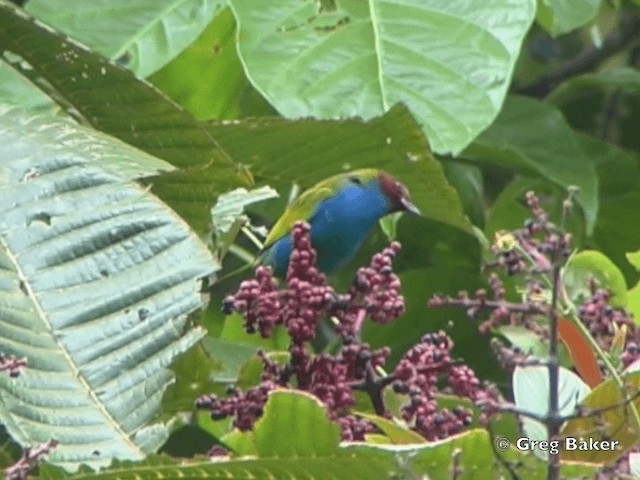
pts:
[450, 61]
[109, 98]
[96, 280]
[534, 139]
[581, 352]
[141, 35]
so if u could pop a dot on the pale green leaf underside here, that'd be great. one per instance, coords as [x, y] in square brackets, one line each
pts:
[531, 394]
[230, 206]
[96, 279]
[144, 35]
[450, 62]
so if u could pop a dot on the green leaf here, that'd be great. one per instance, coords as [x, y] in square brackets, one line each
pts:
[18, 91]
[110, 99]
[207, 78]
[389, 225]
[395, 433]
[531, 394]
[624, 78]
[612, 423]
[234, 332]
[468, 182]
[562, 16]
[451, 62]
[634, 259]
[590, 264]
[308, 151]
[228, 216]
[96, 280]
[313, 452]
[367, 465]
[141, 35]
[525, 340]
[310, 437]
[533, 138]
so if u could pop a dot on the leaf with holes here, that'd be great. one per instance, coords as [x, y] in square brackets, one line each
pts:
[111, 99]
[141, 35]
[97, 277]
[451, 62]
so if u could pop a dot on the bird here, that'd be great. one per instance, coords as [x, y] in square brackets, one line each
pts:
[341, 211]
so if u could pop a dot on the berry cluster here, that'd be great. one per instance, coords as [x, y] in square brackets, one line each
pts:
[603, 321]
[306, 300]
[534, 255]
[528, 250]
[417, 375]
[244, 407]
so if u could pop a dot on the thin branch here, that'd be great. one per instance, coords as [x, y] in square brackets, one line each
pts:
[28, 461]
[581, 412]
[625, 35]
[528, 307]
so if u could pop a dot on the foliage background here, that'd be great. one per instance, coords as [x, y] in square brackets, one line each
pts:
[469, 104]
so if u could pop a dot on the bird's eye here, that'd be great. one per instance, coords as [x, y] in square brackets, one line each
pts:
[355, 180]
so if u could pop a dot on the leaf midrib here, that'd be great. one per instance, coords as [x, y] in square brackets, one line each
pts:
[76, 372]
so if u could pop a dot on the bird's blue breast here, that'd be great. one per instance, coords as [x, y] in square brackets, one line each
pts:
[339, 225]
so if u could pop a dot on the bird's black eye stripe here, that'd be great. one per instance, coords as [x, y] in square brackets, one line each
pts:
[354, 179]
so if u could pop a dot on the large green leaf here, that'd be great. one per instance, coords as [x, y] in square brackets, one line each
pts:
[140, 34]
[295, 439]
[533, 138]
[308, 151]
[110, 99]
[450, 61]
[96, 280]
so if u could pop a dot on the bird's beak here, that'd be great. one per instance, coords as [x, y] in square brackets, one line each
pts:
[410, 207]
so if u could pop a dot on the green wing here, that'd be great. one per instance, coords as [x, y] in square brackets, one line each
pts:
[301, 209]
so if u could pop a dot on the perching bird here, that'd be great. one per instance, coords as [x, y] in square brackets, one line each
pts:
[341, 210]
